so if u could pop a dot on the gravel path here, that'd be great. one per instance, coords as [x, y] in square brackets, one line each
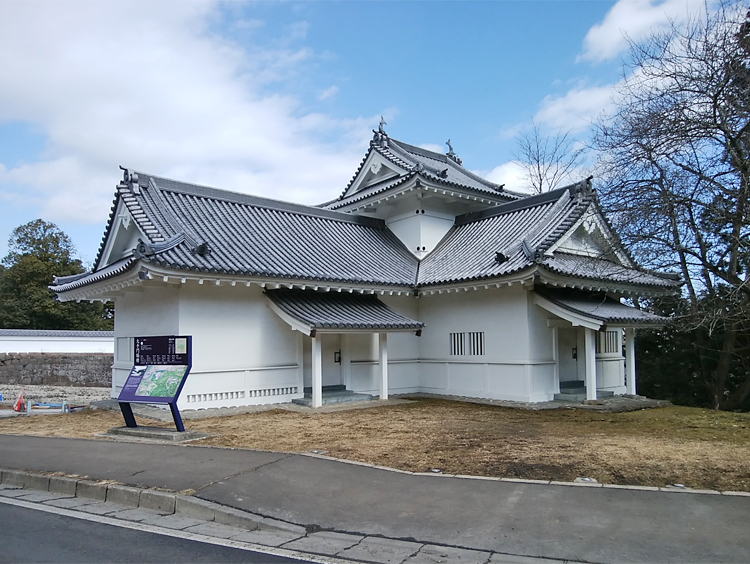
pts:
[73, 395]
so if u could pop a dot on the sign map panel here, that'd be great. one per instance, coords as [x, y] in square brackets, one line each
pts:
[161, 367]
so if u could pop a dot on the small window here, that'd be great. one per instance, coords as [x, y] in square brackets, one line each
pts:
[469, 343]
[608, 342]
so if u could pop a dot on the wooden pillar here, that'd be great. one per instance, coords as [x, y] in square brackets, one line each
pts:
[630, 360]
[346, 361]
[300, 365]
[556, 358]
[317, 373]
[383, 357]
[590, 362]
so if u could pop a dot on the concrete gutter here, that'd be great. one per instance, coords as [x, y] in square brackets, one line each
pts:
[144, 498]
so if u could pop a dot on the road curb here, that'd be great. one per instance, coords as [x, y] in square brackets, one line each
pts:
[145, 498]
[666, 489]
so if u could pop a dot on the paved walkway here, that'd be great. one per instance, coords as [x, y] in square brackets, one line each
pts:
[497, 517]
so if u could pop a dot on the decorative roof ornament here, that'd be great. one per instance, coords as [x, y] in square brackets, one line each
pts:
[130, 179]
[143, 249]
[380, 137]
[584, 189]
[532, 254]
[451, 154]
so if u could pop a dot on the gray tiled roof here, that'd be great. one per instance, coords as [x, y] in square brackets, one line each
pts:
[599, 306]
[335, 310]
[64, 284]
[55, 333]
[431, 165]
[204, 230]
[468, 251]
[523, 231]
[255, 236]
[601, 269]
[433, 161]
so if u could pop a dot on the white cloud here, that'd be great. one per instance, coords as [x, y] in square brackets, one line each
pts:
[512, 174]
[433, 147]
[634, 19]
[247, 25]
[149, 86]
[328, 93]
[575, 110]
[297, 31]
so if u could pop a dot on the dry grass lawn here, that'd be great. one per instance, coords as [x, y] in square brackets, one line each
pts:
[696, 447]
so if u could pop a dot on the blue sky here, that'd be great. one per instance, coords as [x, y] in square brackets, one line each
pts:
[279, 98]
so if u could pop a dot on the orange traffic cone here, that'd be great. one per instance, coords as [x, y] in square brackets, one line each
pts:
[19, 405]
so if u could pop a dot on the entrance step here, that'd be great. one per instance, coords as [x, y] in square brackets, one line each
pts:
[575, 390]
[333, 394]
[570, 397]
[572, 384]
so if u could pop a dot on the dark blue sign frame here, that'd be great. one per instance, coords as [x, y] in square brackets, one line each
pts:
[159, 363]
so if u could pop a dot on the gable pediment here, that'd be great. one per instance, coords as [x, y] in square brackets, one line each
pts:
[590, 236]
[375, 169]
[122, 237]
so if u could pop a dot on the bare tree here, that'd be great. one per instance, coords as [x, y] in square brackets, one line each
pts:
[548, 160]
[674, 175]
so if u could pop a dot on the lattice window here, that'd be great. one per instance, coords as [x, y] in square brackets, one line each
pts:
[469, 343]
[609, 342]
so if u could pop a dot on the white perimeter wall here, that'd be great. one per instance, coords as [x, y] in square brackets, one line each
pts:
[12, 344]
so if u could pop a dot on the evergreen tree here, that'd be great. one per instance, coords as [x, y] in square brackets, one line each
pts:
[38, 251]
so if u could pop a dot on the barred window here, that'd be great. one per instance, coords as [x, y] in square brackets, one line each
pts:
[468, 343]
[608, 342]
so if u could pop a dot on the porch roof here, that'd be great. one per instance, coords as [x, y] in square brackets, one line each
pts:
[310, 312]
[593, 309]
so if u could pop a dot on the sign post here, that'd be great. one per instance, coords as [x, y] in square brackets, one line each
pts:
[162, 365]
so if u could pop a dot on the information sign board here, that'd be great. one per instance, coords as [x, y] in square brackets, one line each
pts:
[162, 365]
[162, 350]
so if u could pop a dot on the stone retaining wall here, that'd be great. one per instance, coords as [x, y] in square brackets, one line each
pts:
[56, 369]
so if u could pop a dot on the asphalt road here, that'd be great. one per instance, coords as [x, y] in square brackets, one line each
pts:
[28, 535]
[591, 524]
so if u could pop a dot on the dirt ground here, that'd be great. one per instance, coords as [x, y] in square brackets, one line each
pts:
[656, 447]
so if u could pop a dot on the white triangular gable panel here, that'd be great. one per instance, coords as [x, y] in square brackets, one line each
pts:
[591, 237]
[376, 169]
[123, 237]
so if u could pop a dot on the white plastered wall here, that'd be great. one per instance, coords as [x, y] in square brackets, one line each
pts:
[360, 364]
[243, 354]
[543, 353]
[141, 312]
[610, 366]
[510, 369]
[421, 232]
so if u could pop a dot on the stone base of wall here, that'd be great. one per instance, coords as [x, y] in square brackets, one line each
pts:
[56, 369]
